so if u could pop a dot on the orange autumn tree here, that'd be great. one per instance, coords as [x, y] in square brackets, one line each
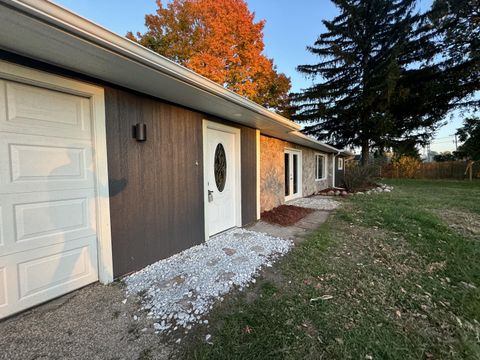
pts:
[220, 40]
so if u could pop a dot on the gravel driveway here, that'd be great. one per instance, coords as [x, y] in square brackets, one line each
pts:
[90, 323]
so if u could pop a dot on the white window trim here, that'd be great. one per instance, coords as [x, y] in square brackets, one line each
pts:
[324, 166]
[96, 95]
[340, 161]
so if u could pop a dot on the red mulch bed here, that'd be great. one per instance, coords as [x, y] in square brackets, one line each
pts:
[285, 215]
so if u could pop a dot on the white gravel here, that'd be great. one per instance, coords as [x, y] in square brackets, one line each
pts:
[316, 203]
[180, 291]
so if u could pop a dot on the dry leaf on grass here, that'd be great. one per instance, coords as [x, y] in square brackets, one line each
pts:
[324, 297]
[248, 329]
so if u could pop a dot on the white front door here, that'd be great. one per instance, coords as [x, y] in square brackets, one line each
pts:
[222, 176]
[48, 227]
[293, 174]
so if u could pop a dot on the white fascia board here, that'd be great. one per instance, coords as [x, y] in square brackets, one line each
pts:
[299, 138]
[315, 143]
[347, 154]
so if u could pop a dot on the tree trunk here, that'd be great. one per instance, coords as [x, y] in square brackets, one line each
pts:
[365, 152]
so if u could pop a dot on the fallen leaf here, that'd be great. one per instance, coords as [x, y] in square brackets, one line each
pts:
[324, 297]
[248, 329]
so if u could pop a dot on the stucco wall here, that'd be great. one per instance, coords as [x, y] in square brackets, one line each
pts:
[272, 182]
[271, 173]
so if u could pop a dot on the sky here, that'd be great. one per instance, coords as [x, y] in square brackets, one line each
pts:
[288, 30]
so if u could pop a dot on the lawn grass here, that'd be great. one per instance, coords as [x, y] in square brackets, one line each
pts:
[389, 276]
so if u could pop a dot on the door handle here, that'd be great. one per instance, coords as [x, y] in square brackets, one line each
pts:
[210, 195]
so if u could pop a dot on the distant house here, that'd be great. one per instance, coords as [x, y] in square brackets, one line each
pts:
[113, 157]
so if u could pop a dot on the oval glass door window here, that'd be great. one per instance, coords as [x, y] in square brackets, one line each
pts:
[220, 167]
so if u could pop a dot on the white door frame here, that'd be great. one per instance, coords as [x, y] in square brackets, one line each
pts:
[30, 76]
[207, 124]
[300, 173]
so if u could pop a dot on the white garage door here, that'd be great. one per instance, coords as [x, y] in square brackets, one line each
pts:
[48, 237]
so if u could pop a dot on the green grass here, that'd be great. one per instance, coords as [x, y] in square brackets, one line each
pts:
[403, 273]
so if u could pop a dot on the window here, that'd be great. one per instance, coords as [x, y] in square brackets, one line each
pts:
[220, 167]
[340, 163]
[320, 162]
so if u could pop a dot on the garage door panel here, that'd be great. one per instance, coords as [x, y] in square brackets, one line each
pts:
[54, 270]
[37, 163]
[3, 287]
[33, 277]
[7, 225]
[46, 163]
[53, 217]
[35, 110]
[43, 219]
[2, 236]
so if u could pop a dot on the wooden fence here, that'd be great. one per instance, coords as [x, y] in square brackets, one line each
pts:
[435, 170]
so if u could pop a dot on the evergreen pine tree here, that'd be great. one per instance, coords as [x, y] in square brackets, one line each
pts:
[445, 74]
[364, 53]
[469, 135]
[456, 26]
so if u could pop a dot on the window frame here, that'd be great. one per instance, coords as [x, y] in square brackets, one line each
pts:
[324, 170]
[342, 162]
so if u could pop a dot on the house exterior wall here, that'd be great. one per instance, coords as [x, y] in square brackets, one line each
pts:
[161, 210]
[156, 187]
[249, 174]
[272, 181]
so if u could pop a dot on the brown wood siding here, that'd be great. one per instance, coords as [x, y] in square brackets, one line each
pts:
[159, 211]
[249, 174]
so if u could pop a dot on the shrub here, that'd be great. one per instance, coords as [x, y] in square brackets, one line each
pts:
[358, 177]
[406, 166]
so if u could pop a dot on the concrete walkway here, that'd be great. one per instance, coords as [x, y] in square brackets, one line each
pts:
[296, 232]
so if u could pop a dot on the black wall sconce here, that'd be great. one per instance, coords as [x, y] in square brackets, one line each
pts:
[140, 132]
